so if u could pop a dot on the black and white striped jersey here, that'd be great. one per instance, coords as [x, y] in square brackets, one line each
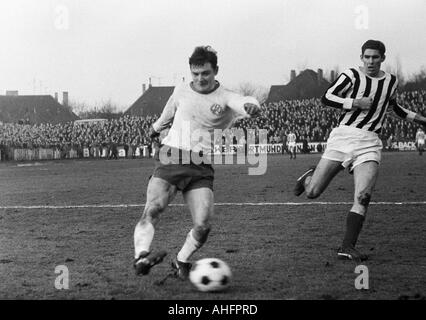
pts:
[355, 84]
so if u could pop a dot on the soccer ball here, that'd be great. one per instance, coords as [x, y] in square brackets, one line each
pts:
[210, 275]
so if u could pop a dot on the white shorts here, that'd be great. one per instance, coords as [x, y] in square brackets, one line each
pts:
[421, 142]
[353, 146]
[291, 145]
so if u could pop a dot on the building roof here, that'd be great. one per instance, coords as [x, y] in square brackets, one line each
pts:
[34, 109]
[151, 102]
[305, 86]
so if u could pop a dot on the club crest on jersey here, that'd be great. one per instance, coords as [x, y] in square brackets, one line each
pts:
[217, 109]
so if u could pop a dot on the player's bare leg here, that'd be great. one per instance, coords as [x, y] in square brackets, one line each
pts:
[316, 179]
[200, 202]
[365, 177]
[159, 195]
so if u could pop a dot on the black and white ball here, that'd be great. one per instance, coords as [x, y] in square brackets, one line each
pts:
[210, 275]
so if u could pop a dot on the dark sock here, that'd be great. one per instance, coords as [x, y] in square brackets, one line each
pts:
[354, 222]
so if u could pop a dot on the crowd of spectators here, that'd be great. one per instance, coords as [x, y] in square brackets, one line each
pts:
[313, 122]
[125, 130]
[306, 118]
[405, 130]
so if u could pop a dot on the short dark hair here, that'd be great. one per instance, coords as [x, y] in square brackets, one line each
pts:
[203, 55]
[375, 45]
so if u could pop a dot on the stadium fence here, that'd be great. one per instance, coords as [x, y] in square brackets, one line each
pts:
[33, 154]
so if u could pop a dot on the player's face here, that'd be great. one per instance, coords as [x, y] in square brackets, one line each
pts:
[372, 60]
[203, 77]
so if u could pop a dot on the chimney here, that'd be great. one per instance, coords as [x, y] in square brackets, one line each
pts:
[332, 76]
[12, 93]
[56, 96]
[292, 75]
[319, 75]
[65, 98]
[143, 88]
[150, 84]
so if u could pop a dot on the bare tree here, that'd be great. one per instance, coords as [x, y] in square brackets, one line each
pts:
[108, 107]
[105, 110]
[77, 107]
[336, 69]
[417, 81]
[399, 70]
[396, 69]
[420, 76]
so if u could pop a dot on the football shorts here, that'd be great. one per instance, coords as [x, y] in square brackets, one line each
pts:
[185, 176]
[353, 146]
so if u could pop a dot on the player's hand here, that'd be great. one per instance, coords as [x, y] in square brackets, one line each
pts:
[363, 103]
[252, 109]
[153, 134]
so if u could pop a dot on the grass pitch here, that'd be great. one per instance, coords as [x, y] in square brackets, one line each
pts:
[275, 251]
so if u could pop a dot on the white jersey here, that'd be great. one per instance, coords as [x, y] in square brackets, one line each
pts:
[291, 138]
[420, 137]
[196, 115]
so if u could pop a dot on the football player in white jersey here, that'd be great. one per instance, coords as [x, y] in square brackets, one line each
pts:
[420, 140]
[194, 110]
[363, 94]
[291, 141]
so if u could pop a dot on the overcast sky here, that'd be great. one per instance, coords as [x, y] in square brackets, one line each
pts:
[105, 49]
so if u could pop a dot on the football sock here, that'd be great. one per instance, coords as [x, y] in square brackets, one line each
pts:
[189, 247]
[307, 180]
[354, 222]
[144, 233]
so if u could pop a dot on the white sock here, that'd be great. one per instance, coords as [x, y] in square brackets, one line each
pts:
[144, 233]
[307, 180]
[189, 247]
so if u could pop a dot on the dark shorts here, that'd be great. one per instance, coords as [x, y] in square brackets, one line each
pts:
[185, 176]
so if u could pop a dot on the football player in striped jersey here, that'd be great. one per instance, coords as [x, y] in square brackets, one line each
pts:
[363, 94]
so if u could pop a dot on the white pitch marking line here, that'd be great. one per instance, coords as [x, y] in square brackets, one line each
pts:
[88, 206]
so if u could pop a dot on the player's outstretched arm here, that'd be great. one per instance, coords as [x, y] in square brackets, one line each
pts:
[407, 114]
[418, 118]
